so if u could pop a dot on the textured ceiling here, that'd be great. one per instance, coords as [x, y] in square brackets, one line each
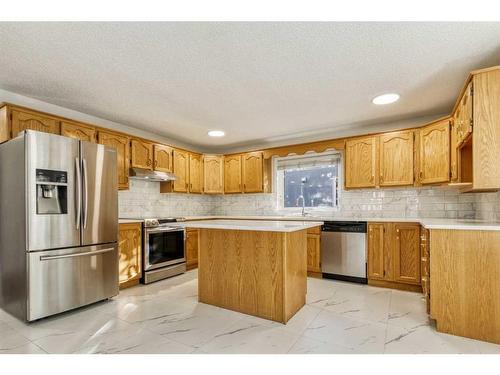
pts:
[257, 81]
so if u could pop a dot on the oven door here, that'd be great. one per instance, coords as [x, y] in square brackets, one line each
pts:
[163, 247]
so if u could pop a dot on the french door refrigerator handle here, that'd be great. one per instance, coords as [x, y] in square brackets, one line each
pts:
[86, 194]
[78, 200]
[50, 257]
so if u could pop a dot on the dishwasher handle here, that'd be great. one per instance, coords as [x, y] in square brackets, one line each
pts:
[344, 226]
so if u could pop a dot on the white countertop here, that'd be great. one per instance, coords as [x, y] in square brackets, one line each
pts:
[256, 225]
[429, 223]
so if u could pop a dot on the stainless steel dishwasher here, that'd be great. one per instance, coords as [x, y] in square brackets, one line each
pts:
[343, 250]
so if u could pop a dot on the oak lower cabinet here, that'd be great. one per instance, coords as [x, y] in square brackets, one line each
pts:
[191, 248]
[130, 254]
[394, 255]
[396, 158]
[195, 173]
[141, 154]
[213, 174]
[434, 153]
[78, 131]
[314, 251]
[361, 161]
[122, 145]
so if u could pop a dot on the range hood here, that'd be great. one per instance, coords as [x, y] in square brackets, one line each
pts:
[147, 175]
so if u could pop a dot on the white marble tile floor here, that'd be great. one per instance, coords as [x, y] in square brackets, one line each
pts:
[166, 317]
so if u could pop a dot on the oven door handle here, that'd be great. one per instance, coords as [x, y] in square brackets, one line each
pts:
[160, 230]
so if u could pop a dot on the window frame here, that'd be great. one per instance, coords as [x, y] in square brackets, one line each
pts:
[278, 186]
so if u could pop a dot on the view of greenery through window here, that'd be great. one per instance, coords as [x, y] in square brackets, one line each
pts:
[318, 189]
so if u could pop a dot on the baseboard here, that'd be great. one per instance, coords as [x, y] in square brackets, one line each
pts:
[393, 285]
[129, 283]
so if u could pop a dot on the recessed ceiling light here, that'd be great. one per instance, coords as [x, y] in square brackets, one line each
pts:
[385, 99]
[216, 133]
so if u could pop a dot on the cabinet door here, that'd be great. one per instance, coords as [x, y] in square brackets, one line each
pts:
[122, 144]
[252, 172]
[232, 174]
[376, 245]
[130, 252]
[454, 148]
[361, 162]
[435, 153]
[465, 118]
[163, 158]
[78, 131]
[191, 246]
[26, 120]
[213, 174]
[396, 159]
[195, 173]
[181, 171]
[142, 154]
[407, 253]
[313, 253]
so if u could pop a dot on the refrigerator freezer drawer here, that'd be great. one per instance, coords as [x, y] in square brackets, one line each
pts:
[61, 280]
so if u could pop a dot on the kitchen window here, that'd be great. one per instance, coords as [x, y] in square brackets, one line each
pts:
[308, 181]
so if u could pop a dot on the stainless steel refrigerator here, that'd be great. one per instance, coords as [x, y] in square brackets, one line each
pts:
[58, 224]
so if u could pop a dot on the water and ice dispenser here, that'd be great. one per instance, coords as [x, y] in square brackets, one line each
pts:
[51, 192]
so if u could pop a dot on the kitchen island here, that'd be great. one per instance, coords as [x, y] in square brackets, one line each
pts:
[254, 267]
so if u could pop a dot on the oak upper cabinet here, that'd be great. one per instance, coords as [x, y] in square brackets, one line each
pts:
[162, 158]
[232, 174]
[434, 155]
[396, 158]
[79, 131]
[376, 251]
[142, 154]
[195, 173]
[407, 253]
[213, 174]
[465, 119]
[181, 171]
[122, 145]
[314, 250]
[253, 169]
[191, 246]
[361, 162]
[454, 147]
[24, 119]
[130, 254]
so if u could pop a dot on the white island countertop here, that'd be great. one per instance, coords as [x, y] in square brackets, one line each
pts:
[255, 225]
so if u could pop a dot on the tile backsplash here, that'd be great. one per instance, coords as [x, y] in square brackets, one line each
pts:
[145, 200]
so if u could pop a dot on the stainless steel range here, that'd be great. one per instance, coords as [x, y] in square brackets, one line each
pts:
[164, 254]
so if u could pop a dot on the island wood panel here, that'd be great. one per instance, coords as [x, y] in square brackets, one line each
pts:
[295, 272]
[254, 272]
[78, 131]
[486, 134]
[361, 162]
[23, 120]
[195, 173]
[252, 166]
[213, 174]
[142, 154]
[435, 153]
[130, 254]
[162, 158]
[465, 283]
[121, 143]
[396, 158]
[232, 174]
